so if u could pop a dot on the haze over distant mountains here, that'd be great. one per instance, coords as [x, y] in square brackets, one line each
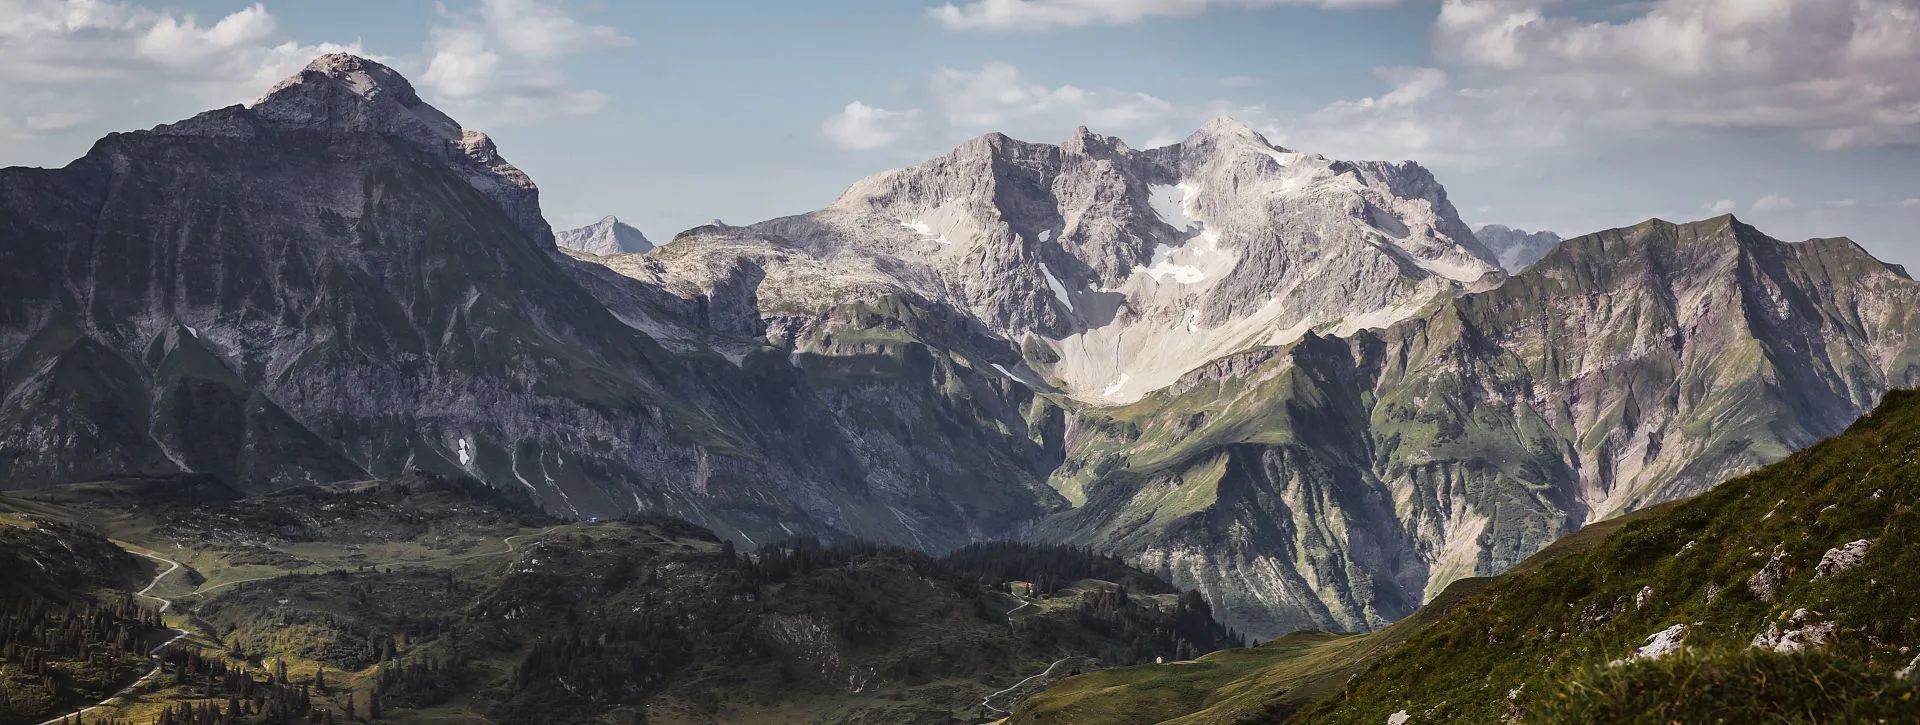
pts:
[1300, 385]
[1515, 248]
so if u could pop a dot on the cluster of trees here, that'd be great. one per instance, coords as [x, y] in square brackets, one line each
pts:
[54, 654]
[614, 660]
[34, 632]
[261, 696]
[1181, 632]
[1049, 568]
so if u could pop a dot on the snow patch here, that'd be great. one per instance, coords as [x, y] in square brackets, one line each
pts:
[925, 230]
[1456, 271]
[1173, 203]
[1163, 267]
[1053, 283]
[465, 451]
[1046, 234]
[1118, 383]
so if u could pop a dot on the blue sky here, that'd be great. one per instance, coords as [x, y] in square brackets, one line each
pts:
[1567, 115]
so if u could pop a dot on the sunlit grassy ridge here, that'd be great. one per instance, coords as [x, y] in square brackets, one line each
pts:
[1540, 643]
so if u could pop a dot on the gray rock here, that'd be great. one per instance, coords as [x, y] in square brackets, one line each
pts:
[1842, 558]
[1766, 583]
[1799, 634]
[607, 236]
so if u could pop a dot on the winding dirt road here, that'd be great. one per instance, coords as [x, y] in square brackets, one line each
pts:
[153, 655]
[987, 701]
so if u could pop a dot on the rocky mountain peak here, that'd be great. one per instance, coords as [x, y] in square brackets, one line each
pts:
[1515, 249]
[607, 236]
[1223, 128]
[345, 93]
[342, 92]
[1087, 143]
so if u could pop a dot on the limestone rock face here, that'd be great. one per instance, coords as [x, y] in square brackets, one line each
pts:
[1116, 270]
[340, 282]
[604, 237]
[1339, 482]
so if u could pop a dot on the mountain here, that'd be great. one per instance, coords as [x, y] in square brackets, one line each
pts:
[1295, 384]
[1783, 594]
[607, 236]
[340, 282]
[1113, 271]
[1337, 483]
[1515, 248]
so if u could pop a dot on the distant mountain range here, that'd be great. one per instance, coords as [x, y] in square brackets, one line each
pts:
[1299, 385]
[1515, 248]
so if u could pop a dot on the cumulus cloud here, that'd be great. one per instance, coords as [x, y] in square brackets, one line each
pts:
[1516, 77]
[1422, 115]
[56, 43]
[996, 95]
[1035, 15]
[64, 57]
[860, 126]
[1723, 206]
[1774, 202]
[1838, 73]
[999, 97]
[497, 61]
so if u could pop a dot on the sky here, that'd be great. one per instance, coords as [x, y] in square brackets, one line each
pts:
[1801, 117]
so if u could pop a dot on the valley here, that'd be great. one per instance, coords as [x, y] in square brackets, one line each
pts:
[426, 599]
[307, 414]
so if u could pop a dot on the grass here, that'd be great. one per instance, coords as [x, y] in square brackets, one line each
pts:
[1538, 643]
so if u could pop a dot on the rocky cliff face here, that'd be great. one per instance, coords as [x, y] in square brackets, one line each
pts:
[1114, 270]
[607, 236]
[1299, 385]
[1515, 248]
[1337, 483]
[340, 282]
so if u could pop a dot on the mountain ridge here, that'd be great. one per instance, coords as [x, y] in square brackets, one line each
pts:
[1297, 384]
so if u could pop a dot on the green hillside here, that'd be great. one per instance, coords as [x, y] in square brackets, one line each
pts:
[1765, 630]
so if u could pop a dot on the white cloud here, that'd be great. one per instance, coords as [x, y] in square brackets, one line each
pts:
[996, 95]
[1034, 15]
[498, 61]
[1774, 202]
[860, 126]
[1842, 203]
[541, 29]
[1723, 206]
[1913, 202]
[1838, 73]
[63, 58]
[1424, 116]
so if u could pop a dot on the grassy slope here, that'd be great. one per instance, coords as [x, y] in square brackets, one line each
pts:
[1551, 626]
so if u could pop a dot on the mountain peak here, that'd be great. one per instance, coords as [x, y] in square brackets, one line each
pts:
[607, 236]
[344, 92]
[1084, 141]
[1227, 127]
[363, 76]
